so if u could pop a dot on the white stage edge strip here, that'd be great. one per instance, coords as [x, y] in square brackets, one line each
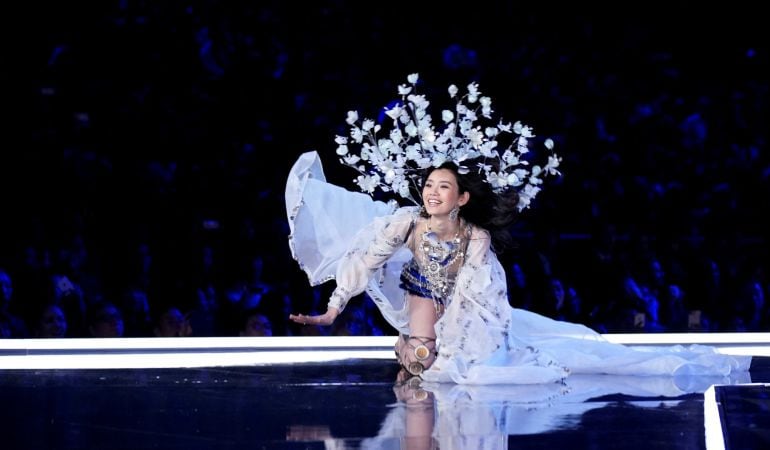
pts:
[712, 417]
[715, 438]
[245, 351]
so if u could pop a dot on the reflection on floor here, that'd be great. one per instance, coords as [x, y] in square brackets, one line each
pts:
[368, 403]
[364, 404]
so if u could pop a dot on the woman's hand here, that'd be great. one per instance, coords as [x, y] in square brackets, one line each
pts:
[326, 318]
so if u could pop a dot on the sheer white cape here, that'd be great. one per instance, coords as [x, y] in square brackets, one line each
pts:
[347, 236]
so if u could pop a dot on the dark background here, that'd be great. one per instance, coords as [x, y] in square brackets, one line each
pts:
[168, 127]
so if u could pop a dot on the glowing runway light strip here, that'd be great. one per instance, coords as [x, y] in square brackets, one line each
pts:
[239, 351]
[181, 360]
[688, 338]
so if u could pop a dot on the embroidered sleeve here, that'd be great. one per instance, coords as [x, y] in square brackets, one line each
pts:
[369, 250]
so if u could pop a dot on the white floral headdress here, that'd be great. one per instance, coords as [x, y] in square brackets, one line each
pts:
[395, 162]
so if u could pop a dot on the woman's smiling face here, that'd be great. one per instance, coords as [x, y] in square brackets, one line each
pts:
[441, 192]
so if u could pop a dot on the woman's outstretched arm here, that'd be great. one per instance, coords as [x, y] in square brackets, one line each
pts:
[369, 251]
[326, 318]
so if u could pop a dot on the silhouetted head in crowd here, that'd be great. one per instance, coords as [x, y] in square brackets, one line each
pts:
[171, 322]
[51, 322]
[136, 312]
[11, 326]
[105, 321]
[256, 323]
[6, 289]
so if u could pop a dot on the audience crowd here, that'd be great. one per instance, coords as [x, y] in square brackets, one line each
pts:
[148, 198]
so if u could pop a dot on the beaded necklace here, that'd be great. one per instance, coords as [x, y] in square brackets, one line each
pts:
[438, 256]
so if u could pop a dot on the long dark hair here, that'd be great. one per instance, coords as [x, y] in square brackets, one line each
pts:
[494, 212]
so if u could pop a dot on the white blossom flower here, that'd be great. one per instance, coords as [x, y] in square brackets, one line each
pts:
[368, 183]
[523, 130]
[496, 180]
[402, 187]
[526, 196]
[393, 112]
[389, 171]
[439, 159]
[510, 158]
[411, 129]
[522, 145]
[524, 201]
[396, 136]
[428, 136]
[487, 149]
[476, 137]
[420, 102]
[473, 90]
[552, 164]
[521, 172]
[413, 153]
[357, 135]
[512, 179]
[351, 160]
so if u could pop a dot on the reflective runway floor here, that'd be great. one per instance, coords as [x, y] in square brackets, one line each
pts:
[367, 403]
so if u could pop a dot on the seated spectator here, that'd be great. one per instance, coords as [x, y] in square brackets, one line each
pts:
[172, 323]
[69, 296]
[136, 307]
[105, 321]
[11, 326]
[51, 323]
[256, 324]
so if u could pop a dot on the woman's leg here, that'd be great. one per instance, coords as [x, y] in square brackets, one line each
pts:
[417, 351]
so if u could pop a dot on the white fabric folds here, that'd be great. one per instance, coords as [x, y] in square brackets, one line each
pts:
[348, 236]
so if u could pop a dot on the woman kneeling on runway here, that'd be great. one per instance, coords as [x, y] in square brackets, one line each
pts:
[432, 268]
